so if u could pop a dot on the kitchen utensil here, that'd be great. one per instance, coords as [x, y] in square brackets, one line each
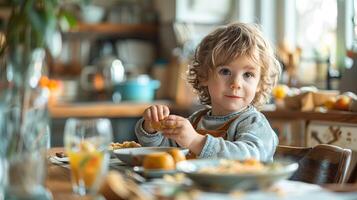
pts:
[92, 13]
[139, 89]
[108, 72]
[136, 55]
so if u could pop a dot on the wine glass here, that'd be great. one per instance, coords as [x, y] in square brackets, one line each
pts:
[86, 143]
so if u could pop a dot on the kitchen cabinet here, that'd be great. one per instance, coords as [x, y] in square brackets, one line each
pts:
[336, 133]
[293, 126]
[80, 42]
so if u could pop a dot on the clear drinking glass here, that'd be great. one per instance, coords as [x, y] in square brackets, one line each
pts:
[2, 177]
[86, 142]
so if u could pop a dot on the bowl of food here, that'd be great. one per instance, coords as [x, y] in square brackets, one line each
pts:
[135, 156]
[225, 175]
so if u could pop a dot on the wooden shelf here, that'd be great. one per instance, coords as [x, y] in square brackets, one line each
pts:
[332, 116]
[104, 109]
[147, 30]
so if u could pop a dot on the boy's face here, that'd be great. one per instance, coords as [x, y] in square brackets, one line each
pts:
[233, 87]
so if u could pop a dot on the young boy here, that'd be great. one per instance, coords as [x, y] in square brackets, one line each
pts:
[233, 71]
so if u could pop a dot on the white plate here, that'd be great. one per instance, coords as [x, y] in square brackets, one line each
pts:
[227, 182]
[134, 156]
[153, 173]
[113, 160]
[62, 160]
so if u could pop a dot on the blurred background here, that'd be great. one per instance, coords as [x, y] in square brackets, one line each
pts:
[120, 56]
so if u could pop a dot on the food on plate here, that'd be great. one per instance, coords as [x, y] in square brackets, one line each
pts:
[159, 160]
[126, 144]
[61, 154]
[163, 160]
[116, 187]
[178, 178]
[177, 155]
[160, 125]
[236, 167]
[135, 156]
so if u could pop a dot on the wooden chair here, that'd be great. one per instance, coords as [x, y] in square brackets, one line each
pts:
[350, 186]
[291, 152]
[321, 164]
[353, 175]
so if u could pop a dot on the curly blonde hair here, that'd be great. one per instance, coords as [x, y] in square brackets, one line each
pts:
[224, 45]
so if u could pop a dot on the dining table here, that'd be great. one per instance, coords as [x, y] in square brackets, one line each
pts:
[58, 182]
[58, 179]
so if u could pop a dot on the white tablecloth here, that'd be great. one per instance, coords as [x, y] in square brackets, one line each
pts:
[283, 190]
[292, 190]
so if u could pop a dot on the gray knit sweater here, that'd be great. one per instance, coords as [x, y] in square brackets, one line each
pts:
[248, 136]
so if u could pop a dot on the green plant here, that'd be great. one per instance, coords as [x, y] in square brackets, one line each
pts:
[36, 23]
[32, 23]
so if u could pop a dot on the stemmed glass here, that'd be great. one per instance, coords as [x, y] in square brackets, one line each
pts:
[86, 143]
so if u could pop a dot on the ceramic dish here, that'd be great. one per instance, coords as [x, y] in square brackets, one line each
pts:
[224, 182]
[61, 159]
[153, 173]
[134, 156]
[139, 89]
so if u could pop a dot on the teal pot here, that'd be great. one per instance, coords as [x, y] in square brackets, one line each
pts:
[140, 89]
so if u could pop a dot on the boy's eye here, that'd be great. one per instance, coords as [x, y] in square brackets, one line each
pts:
[249, 74]
[224, 71]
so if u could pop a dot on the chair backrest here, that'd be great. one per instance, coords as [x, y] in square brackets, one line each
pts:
[353, 175]
[291, 152]
[321, 164]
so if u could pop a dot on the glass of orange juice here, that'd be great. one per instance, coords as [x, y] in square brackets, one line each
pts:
[86, 142]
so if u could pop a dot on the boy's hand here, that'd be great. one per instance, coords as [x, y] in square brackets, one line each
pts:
[153, 115]
[181, 130]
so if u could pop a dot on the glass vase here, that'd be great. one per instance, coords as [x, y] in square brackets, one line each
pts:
[23, 124]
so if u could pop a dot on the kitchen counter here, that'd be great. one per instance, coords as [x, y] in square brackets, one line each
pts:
[132, 109]
[105, 109]
[334, 116]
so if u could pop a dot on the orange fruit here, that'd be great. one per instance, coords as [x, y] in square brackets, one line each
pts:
[159, 160]
[342, 102]
[98, 82]
[53, 85]
[177, 155]
[44, 81]
[280, 91]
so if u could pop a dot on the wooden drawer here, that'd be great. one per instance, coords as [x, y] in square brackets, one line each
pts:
[339, 134]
